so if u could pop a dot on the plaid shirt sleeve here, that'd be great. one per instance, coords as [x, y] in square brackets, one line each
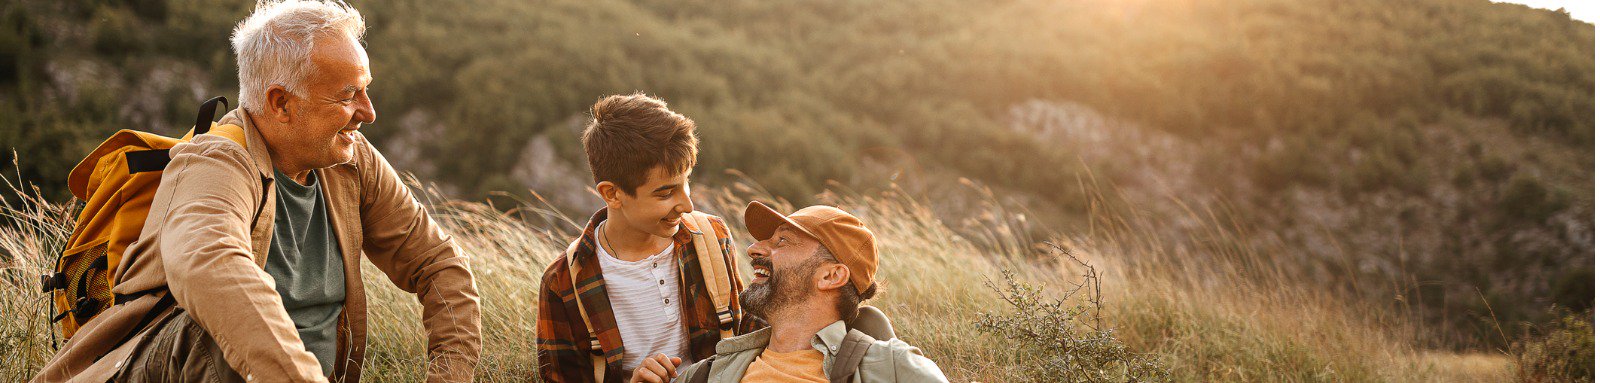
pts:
[561, 360]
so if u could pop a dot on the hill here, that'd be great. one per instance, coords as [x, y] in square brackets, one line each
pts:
[1425, 149]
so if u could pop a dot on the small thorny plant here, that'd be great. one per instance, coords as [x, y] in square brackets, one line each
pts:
[1561, 351]
[1065, 338]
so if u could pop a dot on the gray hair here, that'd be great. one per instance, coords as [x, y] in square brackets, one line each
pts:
[274, 44]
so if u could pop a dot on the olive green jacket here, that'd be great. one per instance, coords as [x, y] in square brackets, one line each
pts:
[886, 361]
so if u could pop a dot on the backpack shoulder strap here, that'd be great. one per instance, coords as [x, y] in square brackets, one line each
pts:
[596, 360]
[203, 124]
[848, 360]
[714, 265]
[572, 276]
[231, 132]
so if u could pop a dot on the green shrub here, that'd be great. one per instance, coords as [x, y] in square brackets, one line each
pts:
[1562, 351]
[1065, 337]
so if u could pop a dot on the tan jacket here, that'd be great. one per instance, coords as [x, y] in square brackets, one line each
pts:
[206, 241]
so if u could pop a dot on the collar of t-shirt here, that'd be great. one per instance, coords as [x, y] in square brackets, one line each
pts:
[797, 366]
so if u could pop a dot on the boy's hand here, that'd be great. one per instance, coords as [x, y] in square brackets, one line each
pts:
[657, 368]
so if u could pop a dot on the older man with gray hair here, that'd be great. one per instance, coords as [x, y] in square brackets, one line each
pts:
[249, 265]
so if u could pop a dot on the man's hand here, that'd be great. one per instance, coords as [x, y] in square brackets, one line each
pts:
[656, 369]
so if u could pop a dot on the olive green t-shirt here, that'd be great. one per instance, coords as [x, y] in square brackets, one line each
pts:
[305, 263]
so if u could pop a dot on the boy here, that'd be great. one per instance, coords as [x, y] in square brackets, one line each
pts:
[655, 281]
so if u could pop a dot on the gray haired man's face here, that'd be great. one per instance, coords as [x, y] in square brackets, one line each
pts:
[318, 129]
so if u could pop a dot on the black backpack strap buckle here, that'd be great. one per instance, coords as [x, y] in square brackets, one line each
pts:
[52, 282]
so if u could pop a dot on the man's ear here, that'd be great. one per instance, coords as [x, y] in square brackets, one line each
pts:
[834, 276]
[277, 105]
[609, 192]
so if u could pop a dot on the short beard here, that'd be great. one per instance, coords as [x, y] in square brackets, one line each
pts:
[764, 301]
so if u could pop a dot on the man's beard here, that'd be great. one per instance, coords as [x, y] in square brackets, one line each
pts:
[782, 289]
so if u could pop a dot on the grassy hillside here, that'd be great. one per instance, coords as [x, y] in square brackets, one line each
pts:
[1430, 149]
[1188, 321]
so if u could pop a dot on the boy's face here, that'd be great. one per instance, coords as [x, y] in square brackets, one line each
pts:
[656, 206]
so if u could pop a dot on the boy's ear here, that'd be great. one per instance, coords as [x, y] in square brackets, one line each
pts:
[609, 192]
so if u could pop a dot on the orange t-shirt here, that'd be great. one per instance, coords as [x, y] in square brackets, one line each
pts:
[799, 366]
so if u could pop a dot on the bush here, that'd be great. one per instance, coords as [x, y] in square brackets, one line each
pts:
[1564, 353]
[1066, 335]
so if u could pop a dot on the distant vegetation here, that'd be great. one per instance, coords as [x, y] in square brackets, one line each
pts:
[1405, 153]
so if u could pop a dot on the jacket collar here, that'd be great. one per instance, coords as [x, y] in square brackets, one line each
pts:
[827, 340]
[255, 143]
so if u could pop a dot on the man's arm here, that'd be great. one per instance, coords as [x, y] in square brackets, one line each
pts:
[211, 272]
[563, 356]
[911, 366]
[687, 372]
[403, 241]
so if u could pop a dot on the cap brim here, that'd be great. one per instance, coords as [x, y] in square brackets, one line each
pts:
[761, 220]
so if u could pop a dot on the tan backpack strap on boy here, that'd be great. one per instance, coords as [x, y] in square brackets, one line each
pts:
[714, 264]
[596, 359]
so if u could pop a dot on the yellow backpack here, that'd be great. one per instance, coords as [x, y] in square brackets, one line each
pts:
[117, 182]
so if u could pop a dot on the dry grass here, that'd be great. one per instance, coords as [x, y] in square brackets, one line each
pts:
[1205, 310]
[32, 232]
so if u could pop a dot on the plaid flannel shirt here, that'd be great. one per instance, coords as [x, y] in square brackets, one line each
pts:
[564, 344]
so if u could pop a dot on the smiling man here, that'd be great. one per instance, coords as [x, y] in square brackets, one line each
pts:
[249, 264]
[813, 269]
[649, 280]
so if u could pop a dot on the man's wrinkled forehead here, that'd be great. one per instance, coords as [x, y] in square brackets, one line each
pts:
[344, 56]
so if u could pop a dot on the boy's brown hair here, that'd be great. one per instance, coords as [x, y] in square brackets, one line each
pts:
[632, 134]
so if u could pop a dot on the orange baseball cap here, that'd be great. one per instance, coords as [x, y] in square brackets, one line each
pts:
[841, 233]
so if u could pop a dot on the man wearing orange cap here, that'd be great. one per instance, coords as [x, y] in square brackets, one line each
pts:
[812, 270]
